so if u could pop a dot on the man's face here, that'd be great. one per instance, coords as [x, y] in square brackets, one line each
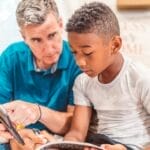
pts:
[91, 53]
[45, 41]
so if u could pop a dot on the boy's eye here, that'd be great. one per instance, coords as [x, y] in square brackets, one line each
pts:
[73, 52]
[88, 54]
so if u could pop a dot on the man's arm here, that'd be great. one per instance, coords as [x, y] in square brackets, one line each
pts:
[26, 113]
[80, 124]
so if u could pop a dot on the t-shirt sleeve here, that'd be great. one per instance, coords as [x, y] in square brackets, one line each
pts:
[145, 93]
[75, 71]
[79, 90]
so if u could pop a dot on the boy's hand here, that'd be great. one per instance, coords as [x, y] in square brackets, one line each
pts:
[29, 138]
[113, 147]
[147, 148]
[5, 136]
[109, 147]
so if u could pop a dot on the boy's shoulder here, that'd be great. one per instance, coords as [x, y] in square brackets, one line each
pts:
[83, 76]
[85, 80]
[138, 68]
[137, 72]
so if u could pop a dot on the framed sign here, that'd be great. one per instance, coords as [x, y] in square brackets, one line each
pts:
[133, 4]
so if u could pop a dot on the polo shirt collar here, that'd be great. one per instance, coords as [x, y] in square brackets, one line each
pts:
[63, 61]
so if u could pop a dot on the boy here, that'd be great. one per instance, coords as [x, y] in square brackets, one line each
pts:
[116, 87]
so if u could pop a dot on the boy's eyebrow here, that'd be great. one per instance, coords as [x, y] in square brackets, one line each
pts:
[85, 46]
[82, 46]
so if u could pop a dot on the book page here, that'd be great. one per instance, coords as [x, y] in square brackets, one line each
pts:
[67, 145]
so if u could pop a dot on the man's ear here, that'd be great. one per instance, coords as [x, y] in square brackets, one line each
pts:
[116, 44]
[22, 34]
[60, 21]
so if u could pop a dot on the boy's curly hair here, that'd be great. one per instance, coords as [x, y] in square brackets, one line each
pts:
[94, 17]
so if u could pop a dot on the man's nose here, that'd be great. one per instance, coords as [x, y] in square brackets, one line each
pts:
[48, 46]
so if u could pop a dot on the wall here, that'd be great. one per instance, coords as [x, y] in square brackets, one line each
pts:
[134, 25]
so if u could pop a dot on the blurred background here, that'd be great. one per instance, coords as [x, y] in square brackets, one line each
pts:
[134, 23]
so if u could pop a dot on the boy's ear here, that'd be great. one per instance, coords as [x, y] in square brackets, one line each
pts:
[116, 44]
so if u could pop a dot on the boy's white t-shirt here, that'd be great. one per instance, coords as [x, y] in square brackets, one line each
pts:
[123, 106]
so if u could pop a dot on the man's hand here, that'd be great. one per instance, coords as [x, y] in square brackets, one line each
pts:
[5, 136]
[21, 112]
[32, 141]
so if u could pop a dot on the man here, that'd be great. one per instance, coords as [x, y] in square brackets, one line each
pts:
[38, 73]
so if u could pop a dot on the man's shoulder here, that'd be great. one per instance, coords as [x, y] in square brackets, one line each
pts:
[15, 52]
[17, 47]
[66, 59]
[66, 47]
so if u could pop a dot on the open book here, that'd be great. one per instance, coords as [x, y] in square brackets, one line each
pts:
[67, 145]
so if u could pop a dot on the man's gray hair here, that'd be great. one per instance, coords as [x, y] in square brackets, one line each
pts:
[35, 11]
[94, 17]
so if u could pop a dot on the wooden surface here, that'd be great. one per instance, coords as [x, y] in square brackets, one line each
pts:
[133, 4]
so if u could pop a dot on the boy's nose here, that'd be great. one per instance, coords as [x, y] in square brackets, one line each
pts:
[81, 62]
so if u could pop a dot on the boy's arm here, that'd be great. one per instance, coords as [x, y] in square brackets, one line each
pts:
[80, 124]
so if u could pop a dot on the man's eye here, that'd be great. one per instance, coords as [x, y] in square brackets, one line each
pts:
[36, 40]
[51, 36]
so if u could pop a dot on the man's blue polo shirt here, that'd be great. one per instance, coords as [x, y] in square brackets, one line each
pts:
[20, 80]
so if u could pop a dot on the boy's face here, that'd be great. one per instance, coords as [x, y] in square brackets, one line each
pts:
[92, 54]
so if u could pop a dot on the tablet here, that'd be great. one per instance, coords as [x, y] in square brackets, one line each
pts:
[5, 120]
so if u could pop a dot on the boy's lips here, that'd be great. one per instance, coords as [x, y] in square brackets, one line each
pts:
[86, 71]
